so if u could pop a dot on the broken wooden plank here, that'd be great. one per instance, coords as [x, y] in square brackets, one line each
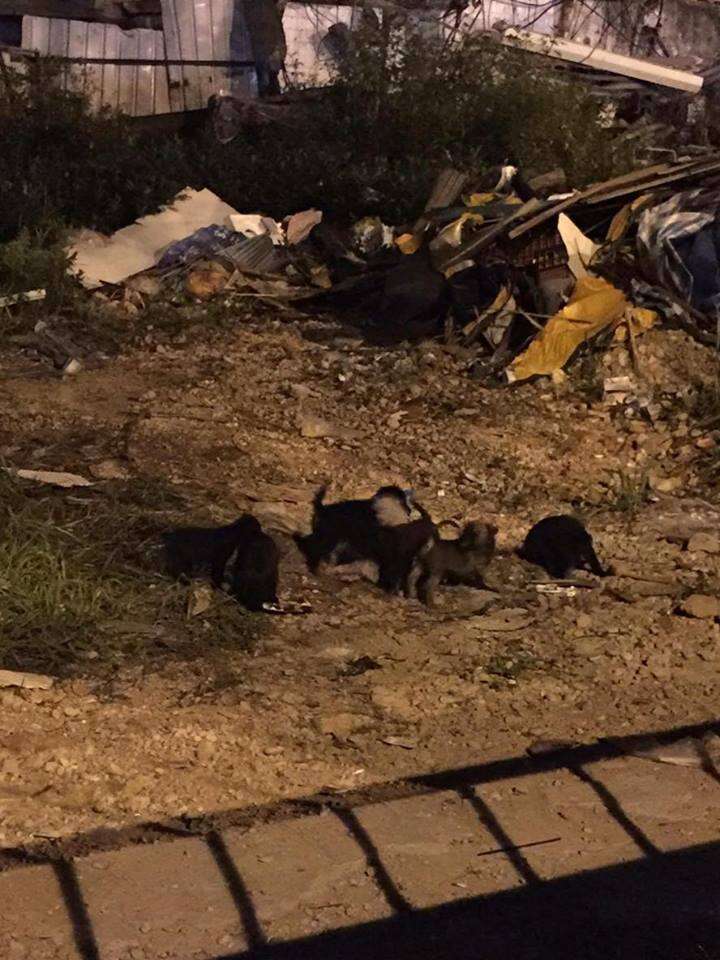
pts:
[560, 48]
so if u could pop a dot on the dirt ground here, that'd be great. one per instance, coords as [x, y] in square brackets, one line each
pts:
[366, 689]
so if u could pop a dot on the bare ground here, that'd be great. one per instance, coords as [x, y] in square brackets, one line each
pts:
[194, 728]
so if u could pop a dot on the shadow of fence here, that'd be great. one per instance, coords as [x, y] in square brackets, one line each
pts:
[658, 905]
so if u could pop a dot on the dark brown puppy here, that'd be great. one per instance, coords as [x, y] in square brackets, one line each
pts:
[396, 548]
[461, 561]
[348, 529]
[193, 550]
[254, 571]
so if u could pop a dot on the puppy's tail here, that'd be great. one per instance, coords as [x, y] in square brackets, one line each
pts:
[319, 497]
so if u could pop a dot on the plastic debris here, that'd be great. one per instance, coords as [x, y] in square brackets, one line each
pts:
[594, 305]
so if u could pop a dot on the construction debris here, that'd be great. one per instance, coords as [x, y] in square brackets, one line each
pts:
[26, 681]
[520, 280]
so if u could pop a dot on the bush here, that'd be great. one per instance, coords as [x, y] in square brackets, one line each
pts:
[59, 161]
[400, 108]
[38, 259]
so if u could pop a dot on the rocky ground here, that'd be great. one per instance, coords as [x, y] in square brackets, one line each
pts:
[365, 688]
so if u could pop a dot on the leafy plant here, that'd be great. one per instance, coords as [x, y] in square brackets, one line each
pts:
[401, 107]
[631, 492]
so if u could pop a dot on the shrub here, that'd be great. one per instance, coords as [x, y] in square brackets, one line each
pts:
[37, 258]
[402, 106]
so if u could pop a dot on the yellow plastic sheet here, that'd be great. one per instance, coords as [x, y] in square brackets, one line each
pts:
[480, 199]
[452, 234]
[594, 305]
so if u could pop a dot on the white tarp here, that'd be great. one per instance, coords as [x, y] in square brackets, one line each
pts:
[138, 247]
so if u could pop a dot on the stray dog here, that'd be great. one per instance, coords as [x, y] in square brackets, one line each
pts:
[396, 548]
[560, 545]
[347, 530]
[191, 550]
[254, 571]
[461, 561]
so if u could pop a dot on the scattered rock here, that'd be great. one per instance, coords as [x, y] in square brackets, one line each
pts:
[314, 428]
[301, 391]
[704, 543]
[395, 419]
[357, 667]
[54, 478]
[393, 702]
[28, 681]
[403, 742]
[145, 285]
[631, 590]
[541, 748]
[341, 725]
[206, 282]
[205, 751]
[281, 493]
[588, 646]
[72, 367]
[666, 484]
[283, 517]
[200, 599]
[701, 607]
[682, 753]
[678, 520]
[503, 621]
[109, 470]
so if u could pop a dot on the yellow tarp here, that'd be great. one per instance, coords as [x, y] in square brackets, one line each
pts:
[480, 199]
[594, 305]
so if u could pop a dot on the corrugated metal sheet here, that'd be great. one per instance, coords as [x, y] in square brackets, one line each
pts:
[136, 90]
[205, 30]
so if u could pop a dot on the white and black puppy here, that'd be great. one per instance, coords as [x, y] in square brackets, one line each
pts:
[347, 530]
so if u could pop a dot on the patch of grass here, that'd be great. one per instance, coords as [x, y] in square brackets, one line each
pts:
[703, 403]
[588, 378]
[512, 664]
[38, 259]
[631, 493]
[81, 579]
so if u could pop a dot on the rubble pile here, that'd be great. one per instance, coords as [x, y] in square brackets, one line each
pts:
[516, 274]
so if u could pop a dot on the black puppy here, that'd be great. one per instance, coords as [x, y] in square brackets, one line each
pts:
[254, 571]
[560, 545]
[192, 550]
[347, 530]
[461, 561]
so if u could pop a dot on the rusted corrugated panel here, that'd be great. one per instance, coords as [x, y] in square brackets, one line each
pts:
[139, 90]
[207, 30]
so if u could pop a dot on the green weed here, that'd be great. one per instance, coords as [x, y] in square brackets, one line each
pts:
[81, 579]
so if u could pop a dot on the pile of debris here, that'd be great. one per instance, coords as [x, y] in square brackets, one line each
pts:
[503, 271]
